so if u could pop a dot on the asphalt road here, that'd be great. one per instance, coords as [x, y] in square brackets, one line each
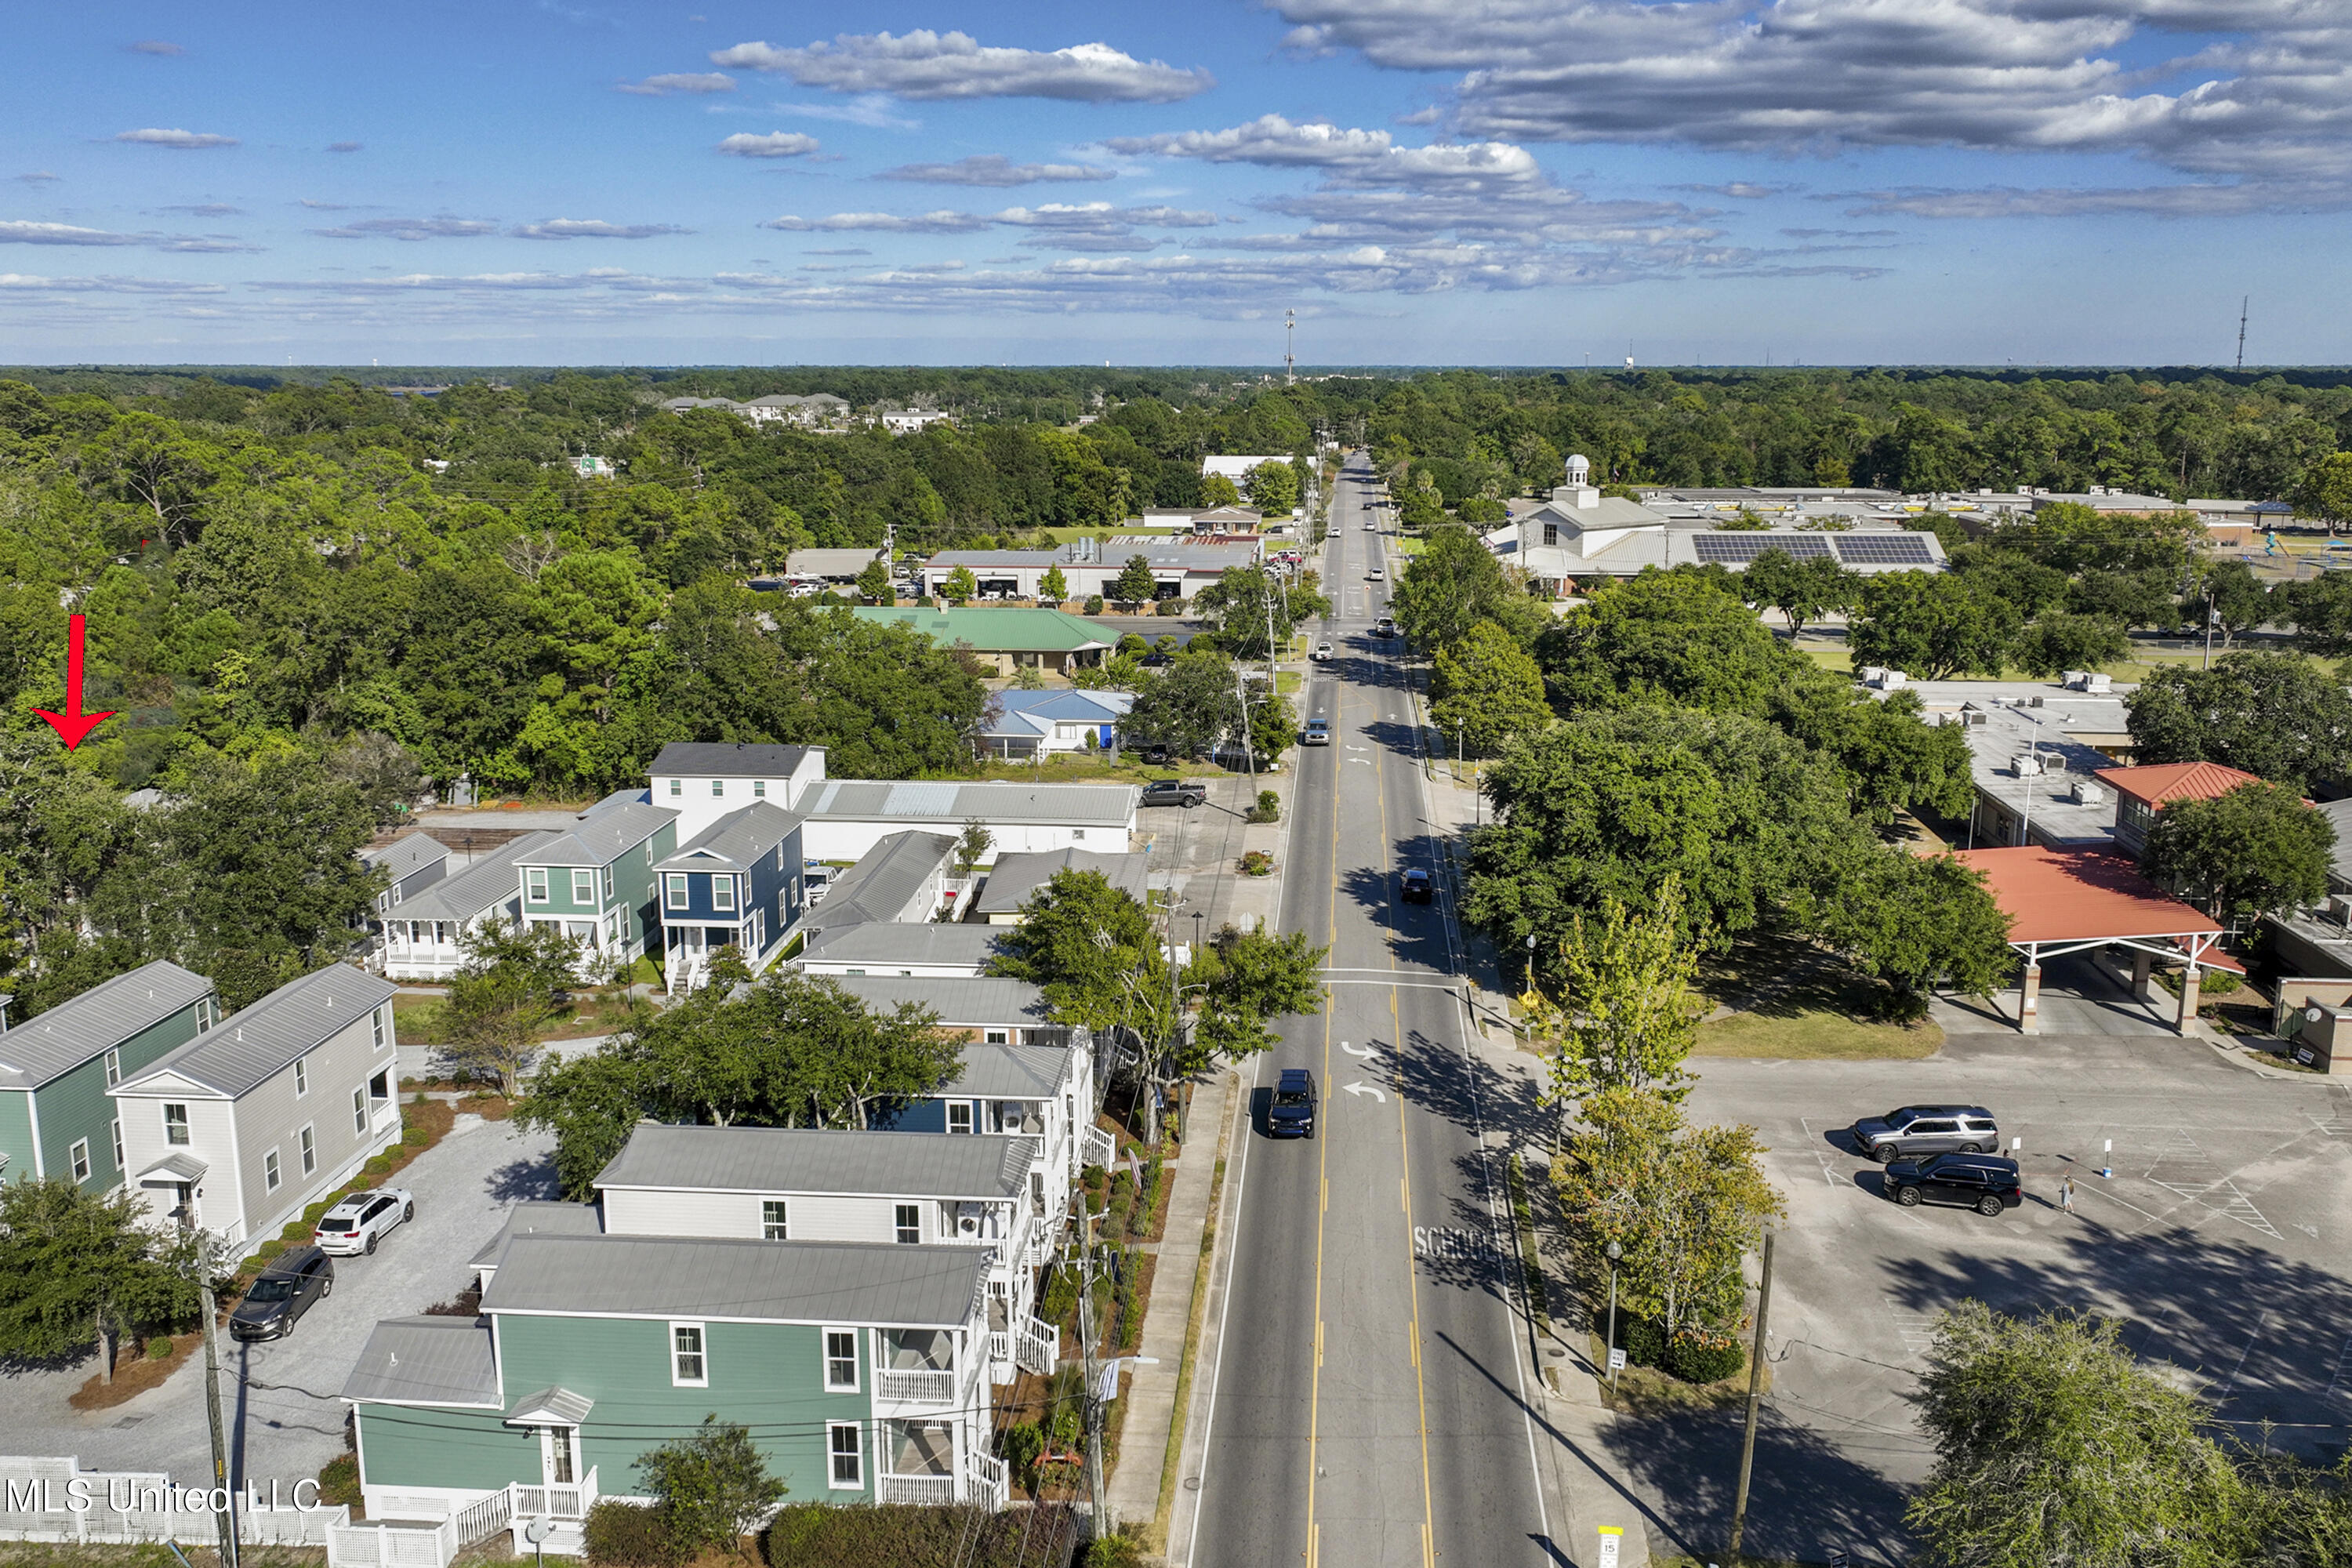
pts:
[1369, 1392]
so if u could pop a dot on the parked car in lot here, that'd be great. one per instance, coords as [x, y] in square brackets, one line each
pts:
[1153, 754]
[1984, 1183]
[1175, 791]
[1292, 1113]
[284, 1292]
[1322, 654]
[1913, 1130]
[359, 1222]
[1317, 733]
[1414, 886]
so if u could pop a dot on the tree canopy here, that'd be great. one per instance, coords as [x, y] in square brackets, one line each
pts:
[2243, 854]
[2271, 715]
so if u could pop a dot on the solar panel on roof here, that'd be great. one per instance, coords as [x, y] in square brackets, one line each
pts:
[1883, 550]
[1741, 548]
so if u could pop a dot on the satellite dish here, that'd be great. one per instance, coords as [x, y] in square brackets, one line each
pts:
[2313, 1014]
[537, 1531]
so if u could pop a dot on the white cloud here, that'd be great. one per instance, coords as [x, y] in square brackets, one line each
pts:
[882, 223]
[875, 110]
[593, 228]
[774, 144]
[206, 210]
[60, 233]
[1348, 156]
[1740, 190]
[926, 65]
[186, 140]
[668, 82]
[411, 228]
[993, 169]
[21, 283]
[2144, 201]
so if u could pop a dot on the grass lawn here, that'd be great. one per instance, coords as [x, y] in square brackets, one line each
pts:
[1795, 1001]
[1813, 1034]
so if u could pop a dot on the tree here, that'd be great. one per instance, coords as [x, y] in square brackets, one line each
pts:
[1135, 584]
[78, 1267]
[2271, 715]
[2247, 853]
[2321, 611]
[1273, 488]
[503, 992]
[2145, 599]
[711, 1488]
[2061, 641]
[1627, 1015]
[1485, 689]
[2231, 594]
[960, 586]
[1800, 590]
[2053, 1446]
[873, 582]
[1091, 949]
[1188, 707]
[973, 846]
[2325, 490]
[1913, 919]
[1218, 489]
[1053, 587]
[1253, 613]
[1452, 584]
[1249, 979]
[1680, 638]
[1933, 625]
[1893, 760]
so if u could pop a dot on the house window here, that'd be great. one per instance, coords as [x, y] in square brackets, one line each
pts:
[718, 789]
[1037, 1190]
[113, 1069]
[774, 1221]
[1000, 1036]
[204, 1015]
[722, 892]
[677, 787]
[535, 884]
[841, 1440]
[911, 1223]
[958, 1116]
[583, 885]
[309, 1151]
[841, 1360]
[80, 1155]
[271, 1175]
[302, 1074]
[675, 886]
[175, 1124]
[118, 1145]
[1078, 833]
[382, 1024]
[359, 1111]
[687, 1369]
[758, 789]
[608, 881]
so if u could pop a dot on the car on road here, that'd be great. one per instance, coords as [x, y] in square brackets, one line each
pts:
[1984, 1183]
[1317, 733]
[1911, 1131]
[360, 1221]
[1322, 654]
[1377, 575]
[285, 1291]
[1175, 791]
[1415, 887]
[1292, 1112]
[1384, 627]
[1371, 525]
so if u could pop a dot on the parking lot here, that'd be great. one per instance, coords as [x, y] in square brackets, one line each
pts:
[2220, 1239]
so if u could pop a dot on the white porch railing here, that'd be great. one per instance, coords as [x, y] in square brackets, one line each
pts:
[1098, 1147]
[986, 1481]
[1039, 1348]
[431, 1543]
[927, 1490]
[920, 1385]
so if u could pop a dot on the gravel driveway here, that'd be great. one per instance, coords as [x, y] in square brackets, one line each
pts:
[280, 1399]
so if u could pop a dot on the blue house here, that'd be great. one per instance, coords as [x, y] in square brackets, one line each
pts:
[736, 884]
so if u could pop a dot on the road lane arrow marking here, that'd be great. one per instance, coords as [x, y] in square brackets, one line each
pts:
[1358, 1050]
[1368, 1089]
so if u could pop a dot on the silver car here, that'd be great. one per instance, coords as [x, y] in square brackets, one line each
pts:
[359, 1222]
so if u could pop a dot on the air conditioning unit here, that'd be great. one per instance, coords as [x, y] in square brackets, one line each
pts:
[2088, 794]
[967, 1221]
[2339, 909]
[1871, 674]
[1976, 717]
[2035, 701]
[2027, 765]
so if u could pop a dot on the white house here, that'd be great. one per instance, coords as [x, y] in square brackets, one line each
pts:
[932, 952]
[907, 421]
[238, 1131]
[1238, 469]
[846, 817]
[423, 935]
[704, 781]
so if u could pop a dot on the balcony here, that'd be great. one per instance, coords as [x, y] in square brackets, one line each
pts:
[916, 1386]
[922, 1491]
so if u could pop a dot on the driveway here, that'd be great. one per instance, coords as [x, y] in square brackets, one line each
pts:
[280, 1399]
[2219, 1241]
[2082, 993]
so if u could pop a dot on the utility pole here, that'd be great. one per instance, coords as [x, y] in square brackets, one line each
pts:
[2244, 300]
[226, 1519]
[1093, 1405]
[1289, 342]
[1755, 1396]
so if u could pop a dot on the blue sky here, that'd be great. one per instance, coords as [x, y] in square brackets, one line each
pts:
[1421, 181]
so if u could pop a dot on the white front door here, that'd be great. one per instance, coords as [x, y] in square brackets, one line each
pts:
[559, 1455]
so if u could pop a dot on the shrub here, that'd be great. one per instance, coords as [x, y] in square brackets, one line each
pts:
[160, 1348]
[1257, 863]
[339, 1482]
[628, 1535]
[823, 1535]
[1269, 807]
[1704, 1358]
[1644, 1342]
[269, 1249]
[713, 1487]
[1061, 1298]
[380, 1165]
[1020, 1444]
[1093, 605]
[1170, 608]
[1118, 1550]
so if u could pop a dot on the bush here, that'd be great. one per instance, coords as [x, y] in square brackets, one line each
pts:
[1257, 863]
[823, 1535]
[1020, 1444]
[1704, 1358]
[1644, 1342]
[625, 1535]
[1061, 1297]
[160, 1348]
[379, 1166]
[1269, 807]
[269, 1249]
[1170, 608]
[713, 1486]
[1095, 604]
[1116, 1550]
[339, 1482]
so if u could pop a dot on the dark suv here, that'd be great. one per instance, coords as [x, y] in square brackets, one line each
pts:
[1174, 792]
[1292, 1114]
[1984, 1183]
[282, 1294]
[1919, 1130]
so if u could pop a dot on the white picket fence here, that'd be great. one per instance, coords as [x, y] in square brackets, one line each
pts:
[55, 1500]
[432, 1542]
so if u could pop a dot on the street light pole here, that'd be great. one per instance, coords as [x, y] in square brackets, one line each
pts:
[1755, 1396]
[1609, 1349]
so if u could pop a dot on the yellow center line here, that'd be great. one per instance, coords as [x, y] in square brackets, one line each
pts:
[1323, 1159]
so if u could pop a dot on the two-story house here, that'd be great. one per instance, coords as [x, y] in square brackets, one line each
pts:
[1040, 1091]
[424, 935]
[595, 881]
[859, 1368]
[982, 1193]
[56, 1068]
[704, 781]
[900, 879]
[238, 1130]
[736, 884]
[410, 864]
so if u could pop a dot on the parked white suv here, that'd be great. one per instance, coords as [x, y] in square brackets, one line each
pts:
[359, 1222]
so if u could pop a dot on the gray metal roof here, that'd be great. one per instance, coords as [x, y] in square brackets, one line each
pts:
[427, 1361]
[1013, 877]
[566, 1407]
[539, 1216]
[730, 760]
[406, 854]
[245, 1048]
[486, 884]
[986, 999]
[2337, 812]
[880, 1284]
[887, 878]
[603, 836]
[883, 945]
[785, 1160]
[738, 838]
[1087, 806]
[97, 1020]
[1013, 1072]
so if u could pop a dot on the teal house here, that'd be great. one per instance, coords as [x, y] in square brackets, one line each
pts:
[595, 881]
[56, 1118]
[860, 1369]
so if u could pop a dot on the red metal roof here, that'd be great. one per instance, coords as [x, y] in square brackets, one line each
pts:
[2176, 781]
[2080, 895]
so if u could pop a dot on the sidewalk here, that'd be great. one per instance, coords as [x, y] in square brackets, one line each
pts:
[1149, 1417]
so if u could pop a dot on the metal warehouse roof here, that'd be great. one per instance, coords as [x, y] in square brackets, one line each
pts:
[773, 1281]
[427, 1361]
[1108, 806]
[247, 1048]
[740, 837]
[983, 1000]
[97, 1020]
[782, 1160]
[703, 759]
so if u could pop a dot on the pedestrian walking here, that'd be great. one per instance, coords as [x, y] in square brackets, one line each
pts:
[2066, 1193]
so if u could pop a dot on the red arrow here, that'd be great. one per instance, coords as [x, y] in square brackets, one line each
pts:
[73, 726]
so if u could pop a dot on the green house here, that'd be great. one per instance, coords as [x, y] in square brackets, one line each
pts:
[595, 881]
[56, 1068]
[860, 1369]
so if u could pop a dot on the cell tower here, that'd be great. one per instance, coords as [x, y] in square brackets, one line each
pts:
[1289, 342]
[2244, 301]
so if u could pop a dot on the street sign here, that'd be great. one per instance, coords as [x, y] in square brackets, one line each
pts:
[1617, 1361]
[1610, 1534]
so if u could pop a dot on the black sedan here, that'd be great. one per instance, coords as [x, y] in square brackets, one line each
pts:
[1415, 887]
